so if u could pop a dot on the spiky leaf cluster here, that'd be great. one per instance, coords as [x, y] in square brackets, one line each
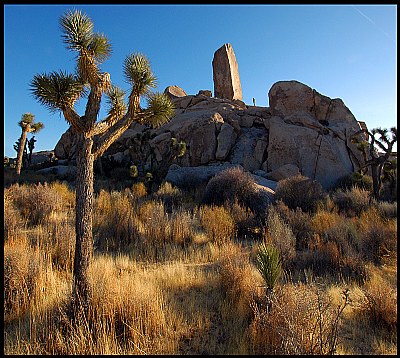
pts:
[138, 73]
[93, 48]
[161, 109]
[27, 118]
[57, 90]
[269, 264]
[115, 99]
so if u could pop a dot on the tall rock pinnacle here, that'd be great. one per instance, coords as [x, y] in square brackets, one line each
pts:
[226, 74]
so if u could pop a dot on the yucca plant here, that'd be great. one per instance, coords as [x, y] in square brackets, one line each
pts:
[59, 91]
[269, 264]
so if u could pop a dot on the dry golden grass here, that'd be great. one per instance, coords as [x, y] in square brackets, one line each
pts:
[218, 223]
[173, 278]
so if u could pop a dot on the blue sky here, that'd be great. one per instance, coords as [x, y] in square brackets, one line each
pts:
[342, 51]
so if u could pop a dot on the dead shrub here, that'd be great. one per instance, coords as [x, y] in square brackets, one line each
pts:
[171, 196]
[300, 192]
[352, 202]
[234, 184]
[378, 236]
[246, 221]
[139, 190]
[237, 279]
[154, 221]
[181, 227]
[66, 194]
[300, 222]
[217, 222]
[114, 221]
[303, 320]
[324, 220]
[36, 202]
[63, 244]
[280, 235]
[387, 210]
[12, 218]
[380, 302]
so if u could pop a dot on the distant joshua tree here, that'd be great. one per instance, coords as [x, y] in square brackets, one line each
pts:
[376, 161]
[28, 126]
[59, 91]
[31, 147]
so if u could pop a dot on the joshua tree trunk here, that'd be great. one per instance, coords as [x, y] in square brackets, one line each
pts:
[21, 152]
[375, 181]
[82, 291]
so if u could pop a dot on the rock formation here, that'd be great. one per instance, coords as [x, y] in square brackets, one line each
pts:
[226, 74]
[302, 131]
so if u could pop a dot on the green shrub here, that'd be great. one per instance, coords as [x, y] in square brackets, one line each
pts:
[300, 192]
[355, 179]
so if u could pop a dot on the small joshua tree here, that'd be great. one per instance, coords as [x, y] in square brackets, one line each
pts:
[375, 160]
[28, 126]
[59, 91]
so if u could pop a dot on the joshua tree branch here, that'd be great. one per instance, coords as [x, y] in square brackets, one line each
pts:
[103, 141]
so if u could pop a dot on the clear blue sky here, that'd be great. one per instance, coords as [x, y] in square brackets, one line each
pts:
[342, 51]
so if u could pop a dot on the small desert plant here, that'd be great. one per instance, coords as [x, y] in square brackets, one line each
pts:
[269, 264]
[355, 179]
[171, 196]
[300, 223]
[352, 201]
[378, 237]
[63, 244]
[303, 321]
[387, 210]
[246, 220]
[380, 303]
[217, 222]
[139, 190]
[280, 235]
[300, 191]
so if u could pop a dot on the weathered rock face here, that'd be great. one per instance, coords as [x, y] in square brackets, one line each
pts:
[292, 97]
[174, 92]
[301, 132]
[226, 74]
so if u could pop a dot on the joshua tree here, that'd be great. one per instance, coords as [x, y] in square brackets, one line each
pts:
[376, 161]
[28, 126]
[24, 154]
[31, 146]
[59, 91]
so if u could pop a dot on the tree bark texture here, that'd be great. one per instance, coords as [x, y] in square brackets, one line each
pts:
[82, 290]
[21, 151]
